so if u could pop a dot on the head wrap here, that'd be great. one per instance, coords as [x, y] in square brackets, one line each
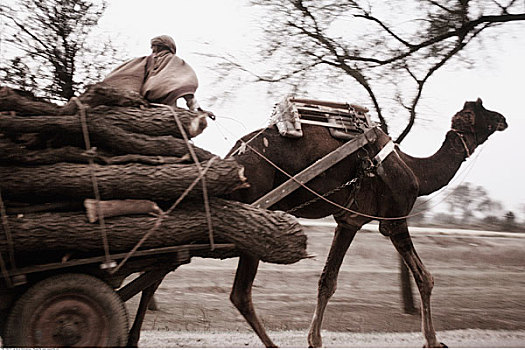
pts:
[164, 41]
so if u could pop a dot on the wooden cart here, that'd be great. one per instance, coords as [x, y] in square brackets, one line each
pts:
[80, 302]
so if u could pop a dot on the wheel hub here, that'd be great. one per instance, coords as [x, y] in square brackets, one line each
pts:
[69, 320]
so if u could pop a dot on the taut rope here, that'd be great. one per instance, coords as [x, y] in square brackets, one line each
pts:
[91, 152]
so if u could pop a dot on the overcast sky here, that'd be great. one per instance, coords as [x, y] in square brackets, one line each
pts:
[228, 26]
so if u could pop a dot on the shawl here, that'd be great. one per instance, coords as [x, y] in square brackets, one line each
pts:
[157, 75]
[166, 74]
[129, 75]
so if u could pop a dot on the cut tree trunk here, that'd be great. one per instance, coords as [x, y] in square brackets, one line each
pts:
[127, 181]
[120, 207]
[118, 142]
[157, 121]
[270, 236]
[123, 142]
[24, 103]
[101, 94]
[12, 153]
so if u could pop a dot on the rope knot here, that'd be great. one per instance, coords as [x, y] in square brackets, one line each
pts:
[90, 153]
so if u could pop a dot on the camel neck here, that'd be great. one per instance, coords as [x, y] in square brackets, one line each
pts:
[436, 171]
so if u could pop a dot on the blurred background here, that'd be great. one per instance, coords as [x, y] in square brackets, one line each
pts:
[412, 63]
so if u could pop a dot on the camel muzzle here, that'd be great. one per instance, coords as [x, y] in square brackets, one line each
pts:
[502, 125]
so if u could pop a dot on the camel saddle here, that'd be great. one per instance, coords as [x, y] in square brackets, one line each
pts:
[345, 121]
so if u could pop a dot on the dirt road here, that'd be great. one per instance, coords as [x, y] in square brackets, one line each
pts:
[479, 284]
[469, 338]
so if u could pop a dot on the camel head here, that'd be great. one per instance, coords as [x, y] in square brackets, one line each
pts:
[474, 119]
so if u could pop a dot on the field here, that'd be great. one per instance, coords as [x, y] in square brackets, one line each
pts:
[479, 285]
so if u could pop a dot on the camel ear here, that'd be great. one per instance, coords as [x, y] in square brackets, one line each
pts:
[479, 102]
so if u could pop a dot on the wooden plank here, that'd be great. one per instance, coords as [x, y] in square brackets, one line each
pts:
[321, 103]
[100, 259]
[315, 169]
[140, 283]
[327, 124]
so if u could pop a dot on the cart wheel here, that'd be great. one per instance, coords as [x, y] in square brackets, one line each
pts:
[67, 310]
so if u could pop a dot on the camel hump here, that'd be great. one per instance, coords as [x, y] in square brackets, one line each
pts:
[344, 120]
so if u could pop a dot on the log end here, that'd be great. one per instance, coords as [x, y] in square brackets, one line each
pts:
[198, 125]
[243, 179]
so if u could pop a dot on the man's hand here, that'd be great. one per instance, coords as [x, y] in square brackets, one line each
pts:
[210, 114]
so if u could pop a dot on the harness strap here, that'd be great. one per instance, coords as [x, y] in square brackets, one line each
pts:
[384, 152]
[313, 170]
[460, 135]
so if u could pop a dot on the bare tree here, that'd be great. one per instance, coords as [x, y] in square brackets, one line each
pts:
[389, 50]
[52, 52]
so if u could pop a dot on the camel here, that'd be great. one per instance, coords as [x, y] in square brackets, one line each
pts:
[387, 195]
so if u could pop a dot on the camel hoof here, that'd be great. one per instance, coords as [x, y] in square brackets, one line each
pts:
[316, 345]
[441, 345]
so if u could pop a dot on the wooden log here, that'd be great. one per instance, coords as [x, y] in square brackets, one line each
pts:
[128, 181]
[120, 142]
[25, 103]
[155, 121]
[12, 153]
[101, 94]
[120, 207]
[274, 237]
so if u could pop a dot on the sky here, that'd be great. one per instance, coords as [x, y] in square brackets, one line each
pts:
[229, 26]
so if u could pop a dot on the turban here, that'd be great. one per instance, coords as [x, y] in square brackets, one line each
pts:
[164, 41]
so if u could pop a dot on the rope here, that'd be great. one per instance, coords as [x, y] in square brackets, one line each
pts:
[326, 199]
[201, 175]
[91, 151]
[9, 239]
[462, 141]
[159, 220]
[245, 144]
[8, 235]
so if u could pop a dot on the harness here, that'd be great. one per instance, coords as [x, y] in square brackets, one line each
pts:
[345, 121]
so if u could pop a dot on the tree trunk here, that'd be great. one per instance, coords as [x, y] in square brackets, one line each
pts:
[121, 142]
[128, 181]
[274, 237]
[156, 121]
[12, 153]
[117, 142]
[24, 103]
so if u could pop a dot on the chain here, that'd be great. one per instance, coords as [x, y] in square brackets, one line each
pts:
[329, 193]
[365, 169]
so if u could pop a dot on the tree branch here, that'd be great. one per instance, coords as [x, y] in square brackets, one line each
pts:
[388, 30]
[421, 83]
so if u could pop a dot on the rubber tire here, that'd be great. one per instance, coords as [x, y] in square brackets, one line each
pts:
[103, 314]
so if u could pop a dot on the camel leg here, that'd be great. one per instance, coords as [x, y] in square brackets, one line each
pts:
[328, 280]
[424, 280]
[145, 299]
[241, 296]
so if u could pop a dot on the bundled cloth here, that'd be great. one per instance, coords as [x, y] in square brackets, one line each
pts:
[161, 77]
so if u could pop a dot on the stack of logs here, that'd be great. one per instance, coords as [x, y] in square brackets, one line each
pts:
[140, 161]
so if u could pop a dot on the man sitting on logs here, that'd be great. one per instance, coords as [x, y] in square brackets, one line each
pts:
[161, 77]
